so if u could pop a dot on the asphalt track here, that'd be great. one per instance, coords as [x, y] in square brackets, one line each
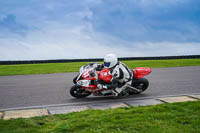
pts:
[48, 89]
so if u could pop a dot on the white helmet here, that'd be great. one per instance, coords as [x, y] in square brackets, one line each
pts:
[110, 60]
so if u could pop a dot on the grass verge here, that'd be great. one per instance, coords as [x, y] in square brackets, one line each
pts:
[164, 118]
[74, 67]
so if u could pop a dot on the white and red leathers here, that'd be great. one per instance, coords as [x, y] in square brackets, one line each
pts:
[121, 75]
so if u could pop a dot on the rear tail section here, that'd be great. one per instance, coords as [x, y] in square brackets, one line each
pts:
[140, 72]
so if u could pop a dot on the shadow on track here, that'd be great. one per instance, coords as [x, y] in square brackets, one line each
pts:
[104, 98]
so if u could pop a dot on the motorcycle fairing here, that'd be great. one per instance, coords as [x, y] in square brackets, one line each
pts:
[105, 75]
[140, 72]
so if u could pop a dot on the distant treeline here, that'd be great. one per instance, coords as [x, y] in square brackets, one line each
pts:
[97, 59]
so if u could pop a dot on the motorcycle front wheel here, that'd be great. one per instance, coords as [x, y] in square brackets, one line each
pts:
[78, 92]
[140, 84]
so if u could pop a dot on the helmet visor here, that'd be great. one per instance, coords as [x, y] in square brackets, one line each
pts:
[107, 64]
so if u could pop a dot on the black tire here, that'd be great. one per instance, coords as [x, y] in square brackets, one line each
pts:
[140, 84]
[78, 92]
[74, 80]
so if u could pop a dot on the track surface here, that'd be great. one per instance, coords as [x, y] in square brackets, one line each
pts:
[46, 89]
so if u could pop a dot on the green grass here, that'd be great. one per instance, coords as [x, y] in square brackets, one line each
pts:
[74, 67]
[164, 118]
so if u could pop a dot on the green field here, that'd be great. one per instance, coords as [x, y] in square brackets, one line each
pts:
[74, 67]
[164, 118]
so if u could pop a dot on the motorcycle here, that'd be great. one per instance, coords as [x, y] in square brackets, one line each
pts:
[85, 83]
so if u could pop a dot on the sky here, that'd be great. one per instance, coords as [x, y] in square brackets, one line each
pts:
[79, 29]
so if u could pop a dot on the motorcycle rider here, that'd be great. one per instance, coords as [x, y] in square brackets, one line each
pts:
[121, 75]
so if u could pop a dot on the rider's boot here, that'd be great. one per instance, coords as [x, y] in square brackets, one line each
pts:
[120, 91]
[116, 91]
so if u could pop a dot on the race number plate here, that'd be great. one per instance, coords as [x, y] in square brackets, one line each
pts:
[85, 83]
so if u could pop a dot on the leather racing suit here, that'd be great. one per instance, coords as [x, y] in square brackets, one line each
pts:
[121, 78]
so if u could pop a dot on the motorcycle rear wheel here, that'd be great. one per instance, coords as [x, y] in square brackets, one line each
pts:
[78, 92]
[141, 84]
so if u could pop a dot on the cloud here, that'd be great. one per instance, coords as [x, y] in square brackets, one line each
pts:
[78, 42]
[149, 20]
[92, 28]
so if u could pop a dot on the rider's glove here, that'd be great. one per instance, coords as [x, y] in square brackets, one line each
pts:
[92, 73]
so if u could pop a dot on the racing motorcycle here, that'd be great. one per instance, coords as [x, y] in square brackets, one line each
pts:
[85, 83]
